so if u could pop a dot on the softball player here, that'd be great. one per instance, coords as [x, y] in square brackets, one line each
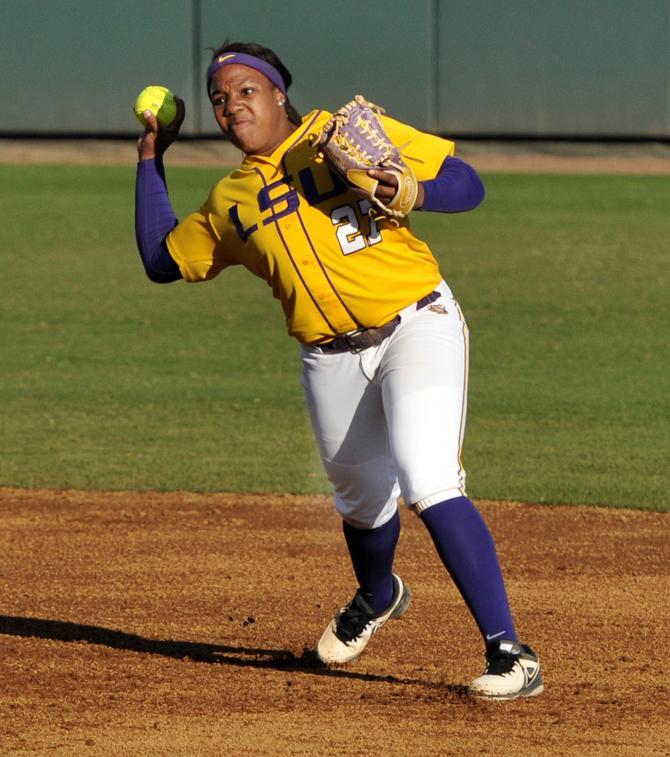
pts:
[383, 342]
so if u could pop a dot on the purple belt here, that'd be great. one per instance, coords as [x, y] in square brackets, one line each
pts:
[357, 341]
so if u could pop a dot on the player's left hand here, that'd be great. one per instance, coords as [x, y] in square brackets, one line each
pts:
[388, 186]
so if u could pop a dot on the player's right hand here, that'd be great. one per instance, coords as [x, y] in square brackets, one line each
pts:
[156, 138]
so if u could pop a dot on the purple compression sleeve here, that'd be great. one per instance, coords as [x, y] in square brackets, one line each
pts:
[154, 219]
[466, 547]
[372, 552]
[456, 188]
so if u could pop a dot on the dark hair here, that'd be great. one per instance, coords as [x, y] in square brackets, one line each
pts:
[269, 56]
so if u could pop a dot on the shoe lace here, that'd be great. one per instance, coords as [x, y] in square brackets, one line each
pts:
[500, 663]
[352, 620]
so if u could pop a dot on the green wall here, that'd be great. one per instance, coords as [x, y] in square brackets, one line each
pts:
[574, 68]
[570, 67]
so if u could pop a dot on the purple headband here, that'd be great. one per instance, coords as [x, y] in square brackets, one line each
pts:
[246, 60]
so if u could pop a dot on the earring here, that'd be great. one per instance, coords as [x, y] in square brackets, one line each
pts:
[280, 102]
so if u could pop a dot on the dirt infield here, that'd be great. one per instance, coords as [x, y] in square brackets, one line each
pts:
[183, 624]
[488, 156]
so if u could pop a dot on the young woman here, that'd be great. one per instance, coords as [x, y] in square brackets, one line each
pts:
[384, 345]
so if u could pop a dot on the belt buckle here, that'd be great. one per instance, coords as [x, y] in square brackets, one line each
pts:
[353, 347]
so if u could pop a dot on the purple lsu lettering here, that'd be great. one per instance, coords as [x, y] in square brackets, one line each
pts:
[284, 203]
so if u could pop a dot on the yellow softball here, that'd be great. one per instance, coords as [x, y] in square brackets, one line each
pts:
[160, 101]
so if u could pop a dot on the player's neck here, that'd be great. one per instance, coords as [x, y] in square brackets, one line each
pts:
[282, 135]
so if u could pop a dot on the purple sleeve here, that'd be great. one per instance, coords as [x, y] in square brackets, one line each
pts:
[456, 188]
[154, 220]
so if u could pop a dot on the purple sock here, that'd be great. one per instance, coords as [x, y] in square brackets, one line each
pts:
[372, 551]
[464, 543]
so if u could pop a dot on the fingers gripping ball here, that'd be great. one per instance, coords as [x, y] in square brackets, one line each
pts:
[160, 101]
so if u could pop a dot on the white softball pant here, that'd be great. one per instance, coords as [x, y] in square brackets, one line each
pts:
[389, 420]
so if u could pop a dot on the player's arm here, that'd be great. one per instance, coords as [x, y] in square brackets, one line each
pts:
[456, 188]
[154, 216]
[446, 184]
[154, 220]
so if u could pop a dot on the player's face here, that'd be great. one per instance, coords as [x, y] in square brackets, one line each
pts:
[249, 109]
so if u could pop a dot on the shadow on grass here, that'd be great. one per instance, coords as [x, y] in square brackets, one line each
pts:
[218, 654]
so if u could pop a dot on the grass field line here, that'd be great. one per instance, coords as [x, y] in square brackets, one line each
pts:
[322, 502]
[637, 158]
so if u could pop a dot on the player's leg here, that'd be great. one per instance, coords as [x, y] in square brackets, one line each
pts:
[372, 551]
[345, 408]
[465, 546]
[348, 420]
[424, 380]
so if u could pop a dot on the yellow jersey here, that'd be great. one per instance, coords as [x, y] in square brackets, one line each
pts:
[291, 220]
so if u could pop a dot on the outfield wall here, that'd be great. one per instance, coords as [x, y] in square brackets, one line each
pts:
[486, 67]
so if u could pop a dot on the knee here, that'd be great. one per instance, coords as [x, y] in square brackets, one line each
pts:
[366, 515]
[443, 495]
[366, 494]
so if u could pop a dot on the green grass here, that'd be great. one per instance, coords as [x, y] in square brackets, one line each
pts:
[111, 382]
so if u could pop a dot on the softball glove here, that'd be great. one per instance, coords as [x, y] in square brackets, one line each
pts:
[353, 141]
